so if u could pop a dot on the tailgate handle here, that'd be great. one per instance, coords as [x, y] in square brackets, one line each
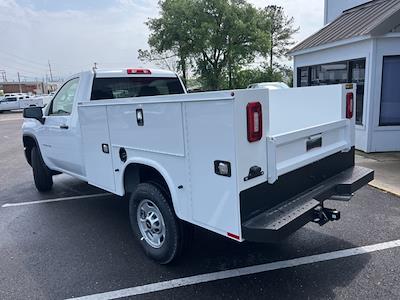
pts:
[314, 142]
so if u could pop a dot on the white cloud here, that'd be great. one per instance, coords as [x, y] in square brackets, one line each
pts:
[73, 40]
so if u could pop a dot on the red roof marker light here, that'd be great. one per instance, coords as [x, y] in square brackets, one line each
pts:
[138, 71]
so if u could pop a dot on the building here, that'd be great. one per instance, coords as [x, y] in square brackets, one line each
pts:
[35, 87]
[359, 43]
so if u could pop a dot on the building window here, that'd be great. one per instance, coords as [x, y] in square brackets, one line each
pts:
[390, 94]
[303, 76]
[337, 73]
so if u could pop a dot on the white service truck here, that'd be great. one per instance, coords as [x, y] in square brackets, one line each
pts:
[19, 101]
[253, 164]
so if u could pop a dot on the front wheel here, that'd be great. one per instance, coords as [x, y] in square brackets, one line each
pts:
[161, 234]
[41, 174]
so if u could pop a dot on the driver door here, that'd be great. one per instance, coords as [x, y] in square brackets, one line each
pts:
[61, 136]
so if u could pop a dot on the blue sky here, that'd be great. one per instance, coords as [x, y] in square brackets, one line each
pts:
[73, 34]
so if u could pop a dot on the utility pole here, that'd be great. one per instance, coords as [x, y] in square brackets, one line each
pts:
[95, 66]
[4, 75]
[51, 74]
[19, 83]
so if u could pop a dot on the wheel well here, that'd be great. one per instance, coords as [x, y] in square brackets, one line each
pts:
[29, 143]
[138, 173]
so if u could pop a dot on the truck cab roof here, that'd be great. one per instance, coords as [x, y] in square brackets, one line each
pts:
[137, 72]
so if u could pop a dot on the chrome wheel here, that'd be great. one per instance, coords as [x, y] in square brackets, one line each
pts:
[151, 223]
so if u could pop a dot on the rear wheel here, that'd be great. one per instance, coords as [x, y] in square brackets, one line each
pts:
[161, 234]
[41, 174]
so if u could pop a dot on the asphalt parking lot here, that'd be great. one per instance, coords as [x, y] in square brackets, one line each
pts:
[83, 246]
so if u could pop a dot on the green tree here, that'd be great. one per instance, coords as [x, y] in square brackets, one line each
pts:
[280, 30]
[171, 32]
[225, 37]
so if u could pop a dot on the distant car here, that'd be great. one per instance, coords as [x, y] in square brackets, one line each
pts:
[15, 101]
[268, 85]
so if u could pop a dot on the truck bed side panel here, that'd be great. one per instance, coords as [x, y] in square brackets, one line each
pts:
[210, 135]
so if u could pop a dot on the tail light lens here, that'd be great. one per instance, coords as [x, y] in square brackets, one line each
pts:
[138, 71]
[254, 122]
[349, 105]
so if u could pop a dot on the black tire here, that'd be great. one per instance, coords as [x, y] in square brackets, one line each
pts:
[176, 231]
[41, 174]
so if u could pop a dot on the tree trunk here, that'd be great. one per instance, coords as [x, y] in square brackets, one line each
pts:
[183, 69]
[230, 84]
[271, 54]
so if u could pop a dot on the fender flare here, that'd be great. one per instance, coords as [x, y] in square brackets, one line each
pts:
[31, 136]
[160, 169]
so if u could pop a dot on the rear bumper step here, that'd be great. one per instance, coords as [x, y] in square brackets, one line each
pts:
[280, 221]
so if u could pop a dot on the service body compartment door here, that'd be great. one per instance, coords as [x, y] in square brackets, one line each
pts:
[96, 147]
[210, 135]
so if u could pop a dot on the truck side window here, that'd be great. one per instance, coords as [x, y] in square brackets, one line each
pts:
[63, 101]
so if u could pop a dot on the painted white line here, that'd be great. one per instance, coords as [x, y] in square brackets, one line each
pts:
[11, 119]
[55, 200]
[175, 283]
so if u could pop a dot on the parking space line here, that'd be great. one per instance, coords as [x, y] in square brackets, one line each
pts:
[202, 278]
[11, 119]
[55, 200]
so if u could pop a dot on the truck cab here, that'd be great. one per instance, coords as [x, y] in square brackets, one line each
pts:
[59, 131]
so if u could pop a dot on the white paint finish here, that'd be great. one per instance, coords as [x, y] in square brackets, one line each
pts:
[334, 8]
[162, 131]
[183, 135]
[94, 129]
[55, 200]
[107, 73]
[172, 168]
[249, 154]
[233, 273]
[210, 131]
[62, 147]
[294, 109]
[361, 49]
[289, 152]
[383, 138]
[370, 137]
[19, 103]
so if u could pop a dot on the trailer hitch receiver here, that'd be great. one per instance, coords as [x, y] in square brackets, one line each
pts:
[323, 215]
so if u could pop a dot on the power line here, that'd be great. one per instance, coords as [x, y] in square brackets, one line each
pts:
[22, 58]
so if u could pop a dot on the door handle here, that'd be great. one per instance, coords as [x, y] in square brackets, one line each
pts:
[63, 126]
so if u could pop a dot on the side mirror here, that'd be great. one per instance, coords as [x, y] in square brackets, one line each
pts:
[34, 113]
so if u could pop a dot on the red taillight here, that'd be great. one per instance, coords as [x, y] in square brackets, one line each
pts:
[138, 71]
[349, 105]
[254, 122]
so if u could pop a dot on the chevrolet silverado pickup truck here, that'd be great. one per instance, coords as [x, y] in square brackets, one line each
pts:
[19, 101]
[252, 164]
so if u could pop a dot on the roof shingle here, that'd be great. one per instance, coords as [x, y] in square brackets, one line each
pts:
[357, 21]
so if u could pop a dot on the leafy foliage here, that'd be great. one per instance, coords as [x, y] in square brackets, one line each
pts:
[217, 40]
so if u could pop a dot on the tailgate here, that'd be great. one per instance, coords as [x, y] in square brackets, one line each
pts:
[305, 125]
